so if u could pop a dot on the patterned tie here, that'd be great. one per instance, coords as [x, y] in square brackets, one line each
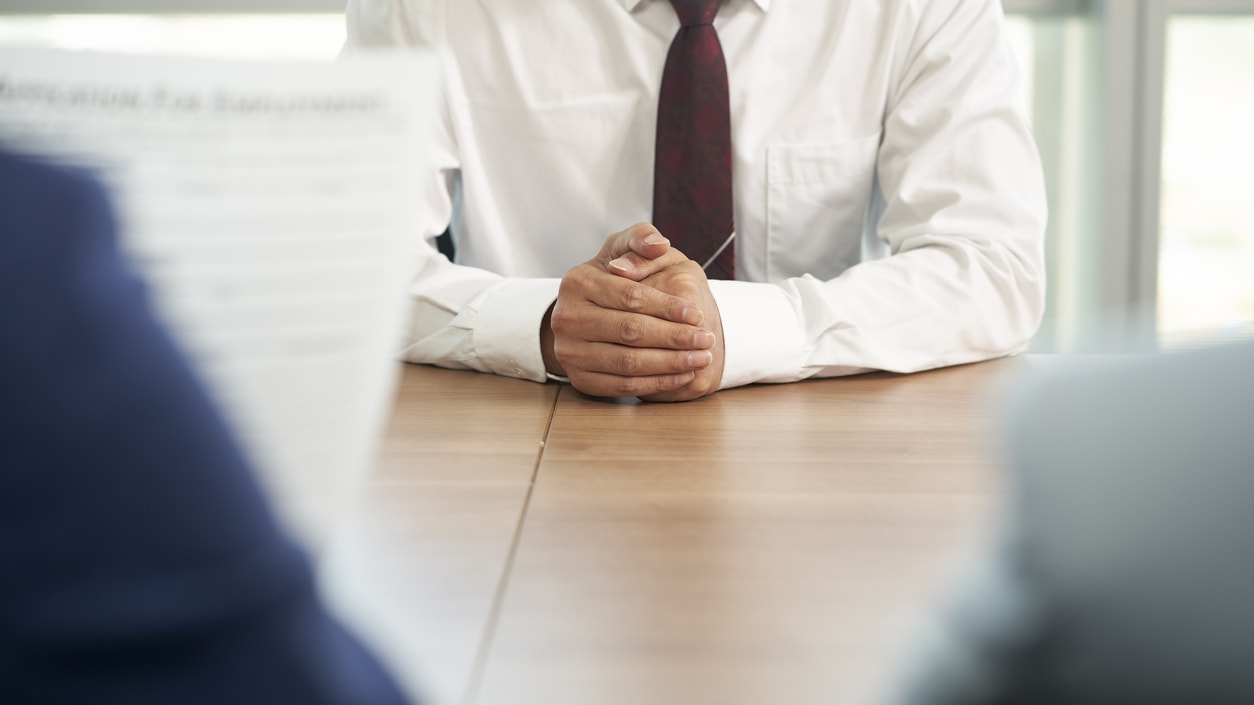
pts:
[692, 173]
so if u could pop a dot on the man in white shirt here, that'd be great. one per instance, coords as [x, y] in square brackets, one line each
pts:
[889, 208]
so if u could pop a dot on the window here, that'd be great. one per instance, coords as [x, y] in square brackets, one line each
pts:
[1054, 44]
[1142, 121]
[1206, 245]
[270, 36]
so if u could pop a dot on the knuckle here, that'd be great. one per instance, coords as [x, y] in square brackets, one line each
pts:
[629, 387]
[685, 285]
[639, 230]
[680, 262]
[677, 307]
[563, 350]
[631, 330]
[679, 362]
[561, 319]
[571, 284]
[634, 297]
[615, 244]
[681, 337]
[628, 362]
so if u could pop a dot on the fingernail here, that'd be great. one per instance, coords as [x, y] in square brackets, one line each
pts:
[656, 239]
[693, 316]
[700, 359]
[703, 339]
[621, 264]
[682, 379]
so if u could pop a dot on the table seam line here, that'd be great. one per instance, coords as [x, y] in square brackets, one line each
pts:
[487, 639]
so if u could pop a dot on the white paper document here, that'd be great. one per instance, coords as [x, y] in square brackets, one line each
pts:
[270, 208]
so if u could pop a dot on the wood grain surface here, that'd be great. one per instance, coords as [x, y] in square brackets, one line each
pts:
[420, 566]
[769, 544]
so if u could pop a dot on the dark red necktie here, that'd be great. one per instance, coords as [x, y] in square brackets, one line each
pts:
[692, 172]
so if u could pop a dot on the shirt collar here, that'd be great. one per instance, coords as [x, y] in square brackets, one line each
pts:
[631, 5]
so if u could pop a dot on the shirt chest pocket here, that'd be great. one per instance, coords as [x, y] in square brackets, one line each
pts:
[558, 176]
[818, 198]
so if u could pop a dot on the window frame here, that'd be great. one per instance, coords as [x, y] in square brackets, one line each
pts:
[1134, 77]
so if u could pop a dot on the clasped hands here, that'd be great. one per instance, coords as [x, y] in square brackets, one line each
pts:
[637, 320]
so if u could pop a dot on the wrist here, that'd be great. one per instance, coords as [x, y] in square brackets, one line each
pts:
[552, 368]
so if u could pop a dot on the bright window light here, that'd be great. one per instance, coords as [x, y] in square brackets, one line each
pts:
[314, 36]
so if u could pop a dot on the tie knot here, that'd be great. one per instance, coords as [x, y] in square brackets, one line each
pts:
[696, 12]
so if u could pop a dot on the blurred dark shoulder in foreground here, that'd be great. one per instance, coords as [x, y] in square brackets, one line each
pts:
[1123, 573]
[139, 562]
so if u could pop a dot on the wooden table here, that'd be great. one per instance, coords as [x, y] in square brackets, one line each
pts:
[521, 543]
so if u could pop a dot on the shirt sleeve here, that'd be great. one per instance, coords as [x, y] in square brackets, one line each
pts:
[963, 213]
[460, 317]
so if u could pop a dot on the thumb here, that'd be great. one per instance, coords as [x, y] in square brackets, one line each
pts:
[637, 252]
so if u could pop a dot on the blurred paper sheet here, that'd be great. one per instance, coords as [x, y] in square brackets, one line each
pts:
[269, 207]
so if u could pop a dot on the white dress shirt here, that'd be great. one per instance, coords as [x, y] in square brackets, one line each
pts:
[889, 200]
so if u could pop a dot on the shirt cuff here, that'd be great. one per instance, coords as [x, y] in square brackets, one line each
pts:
[762, 340]
[507, 329]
